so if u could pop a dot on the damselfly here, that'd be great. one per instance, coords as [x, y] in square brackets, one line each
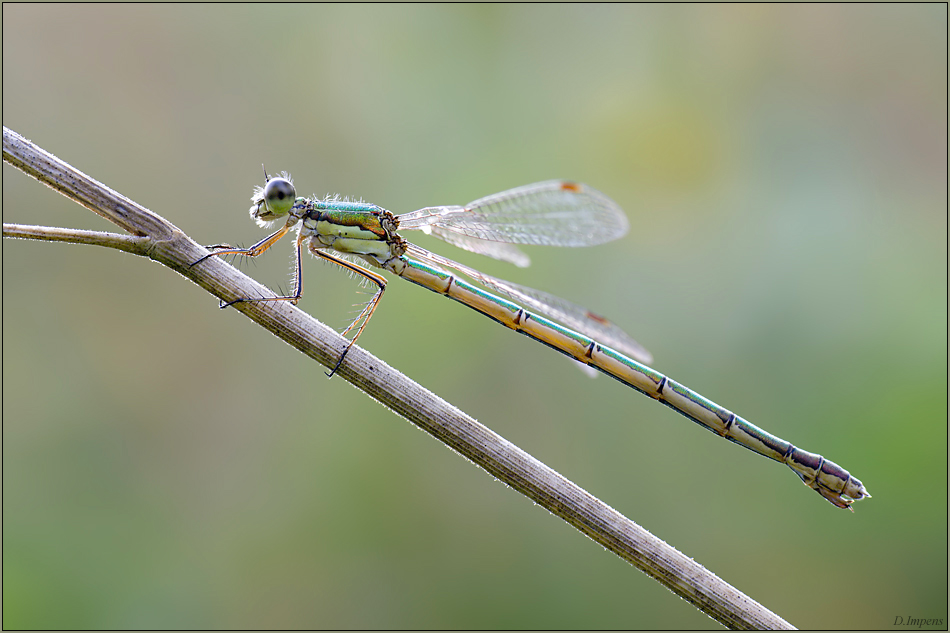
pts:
[553, 213]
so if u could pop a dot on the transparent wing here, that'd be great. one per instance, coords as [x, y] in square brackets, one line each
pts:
[498, 250]
[561, 310]
[552, 213]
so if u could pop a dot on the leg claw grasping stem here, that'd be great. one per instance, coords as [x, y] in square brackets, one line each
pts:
[339, 362]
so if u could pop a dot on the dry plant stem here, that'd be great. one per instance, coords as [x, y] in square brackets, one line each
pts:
[127, 243]
[161, 241]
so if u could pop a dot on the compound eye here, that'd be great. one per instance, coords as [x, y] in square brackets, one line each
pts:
[279, 196]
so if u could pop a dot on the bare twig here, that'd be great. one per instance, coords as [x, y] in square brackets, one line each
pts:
[127, 243]
[156, 238]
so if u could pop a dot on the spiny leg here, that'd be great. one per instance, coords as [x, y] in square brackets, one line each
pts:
[251, 251]
[298, 279]
[254, 251]
[368, 309]
[365, 311]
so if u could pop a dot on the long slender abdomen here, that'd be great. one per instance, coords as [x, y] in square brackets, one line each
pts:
[831, 481]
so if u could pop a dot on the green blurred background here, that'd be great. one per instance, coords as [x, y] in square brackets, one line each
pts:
[167, 464]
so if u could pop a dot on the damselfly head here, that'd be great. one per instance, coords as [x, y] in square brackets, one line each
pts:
[274, 200]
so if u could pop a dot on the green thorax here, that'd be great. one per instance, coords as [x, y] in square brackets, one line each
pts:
[352, 227]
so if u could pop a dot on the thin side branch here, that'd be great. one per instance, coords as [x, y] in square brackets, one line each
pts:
[127, 243]
[161, 241]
